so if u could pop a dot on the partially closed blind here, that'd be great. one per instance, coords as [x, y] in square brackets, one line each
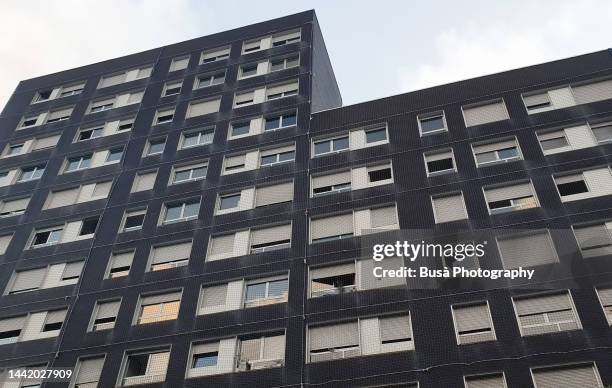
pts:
[122, 259]
[536, 99]
[267, 235]
[89, 370]
[542, 304]
[395, 328]
[215, 53]
[170, 252]
[274, 347]
[200, 108]
[63, 198]
[29, 279]
[144, 181]
[470, 318]
[4, 243]
[102, 189]
[491, 381]
[596, 91]
[334, 336]
[45, 142]
[283, 88]
[15, 205]
[57, 114]
[527, 250]
[108, 309]
[222, 245]
[485, 113]
[74, 269]
[234, 161]
[161, 298]
[331, 179]
[268, 195]
[214, 295]
[568, 377]
[56, 316]
[592, 236]
[518, 190]
[495, 146]
[449, 208]
[605, 296]
[110, 80]
[331, 226]
[383, 217]
[13, 323]
[334, 270]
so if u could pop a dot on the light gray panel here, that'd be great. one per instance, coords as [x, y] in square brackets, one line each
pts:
[331, 179]
[268, 195]
[485, 113]
[570, 377]
[449, 208]
[596, 91]
[274, 233]
[331, 226]
[395, 328]
[508, 192]
[334, 336]
[367, 279]
[171, 252]
[527, 250]
[89, 371]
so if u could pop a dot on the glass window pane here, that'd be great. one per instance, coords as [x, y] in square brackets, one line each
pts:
[268, 159]
[256, 291]
[377, 135]
[508, 153]
[181, 175]
[229, 201]
[278, 287]
[286, 156]
[173, 213]
[198, 173]
[272, 122]
[191, 210]
[289, 119]
[241, 128]
[341, 144]
[432, 124]
[205, 359]
[322, 147]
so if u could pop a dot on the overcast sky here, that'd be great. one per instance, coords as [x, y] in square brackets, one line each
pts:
[377, 48]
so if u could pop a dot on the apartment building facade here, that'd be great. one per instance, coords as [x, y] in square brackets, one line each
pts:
[192, 216]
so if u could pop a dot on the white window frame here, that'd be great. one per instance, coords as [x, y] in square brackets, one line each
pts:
[332, 140]
[190, 168]
[425, 116]
[182, 217]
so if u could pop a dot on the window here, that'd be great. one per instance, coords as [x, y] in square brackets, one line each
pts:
[105, 314]
[432, 123]
[171, 88]
[5, 240]
[546, 314]
[244, 98]
[87, 372]
[251, 46]
[594, 239]
[285, 38]
[78, 163]
[335, 341]
[204, 107]
[102, 105]
[277, 64]
[333, 280]
[204, 355]
[439, 162]
[90, 133]
[331, 228]
[58, 115]
[145, 367]
[332, 183]
[156, 146]
[125, 76]
[71, 90]
[133, 220]
[54, 320]
[537, 101]
[261, 352]
[10, 329]
[29, 122]
[144, 180]
[276, 156]
[198, 137]
[125, 125]
[605, 297]
[172, 255]
[189, 173]
[88, 227]
[272, 194]
[486, 381]
[158, 307]
[13, 207]
[280, 91]
[229, 201]
[527, 249]
[248, 70]
[551, 141]
[179, 63]
[602, 132]
[568, 376]
[214, 55]
[47, 237]
[183, 211]
[259, 293]
[571, 184]
[43, 95]
[114, 155]
[31, 173]
[164, 116]
[449, 207]
[484, 112]
[473, 323]
[495, 152]
[270, 238]
[210, 79]
[380, 174]
[327, 146]
[510, 197]
[376, 135]
[14, 149]
[278, 121]
[27, 280]
[72, 272]
[120, 264]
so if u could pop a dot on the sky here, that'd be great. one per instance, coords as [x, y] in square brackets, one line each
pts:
[377, 49]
